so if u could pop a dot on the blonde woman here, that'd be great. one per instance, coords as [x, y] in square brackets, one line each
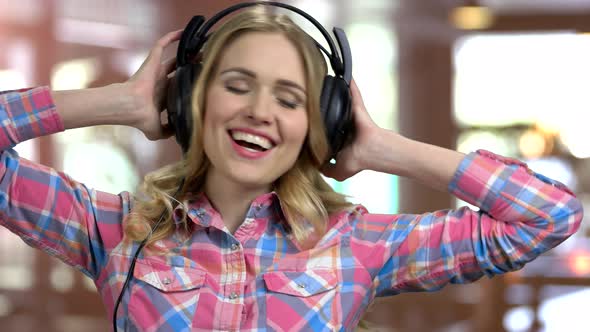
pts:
[243, 233]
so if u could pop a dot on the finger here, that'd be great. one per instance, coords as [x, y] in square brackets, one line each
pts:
[163, 107]
[357, 98]
[168, 39]
[158, 49]
[169, 65]
[167, 131]
[360, 112]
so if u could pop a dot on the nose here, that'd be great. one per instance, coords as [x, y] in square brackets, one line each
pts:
[261, 107]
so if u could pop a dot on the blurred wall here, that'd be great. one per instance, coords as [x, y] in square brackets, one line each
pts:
[410, 67]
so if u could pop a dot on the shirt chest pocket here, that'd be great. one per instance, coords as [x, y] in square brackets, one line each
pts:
[296, 299]
[301, 284]
[169, 278]
[161, 289]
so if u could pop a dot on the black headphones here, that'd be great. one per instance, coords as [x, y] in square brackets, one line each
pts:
[335, 100]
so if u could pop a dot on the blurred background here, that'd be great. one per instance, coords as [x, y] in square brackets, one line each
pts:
[510, 76]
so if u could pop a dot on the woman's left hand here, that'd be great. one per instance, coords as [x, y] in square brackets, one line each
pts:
[353, 158]
[150, 86]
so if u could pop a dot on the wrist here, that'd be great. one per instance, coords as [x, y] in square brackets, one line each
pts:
[384, 153]
[126, 104]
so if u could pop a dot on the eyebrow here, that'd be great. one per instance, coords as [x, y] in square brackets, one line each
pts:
[250, 73]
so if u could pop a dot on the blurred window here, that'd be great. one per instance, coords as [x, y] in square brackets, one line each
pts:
[525, 96]
[373, 44]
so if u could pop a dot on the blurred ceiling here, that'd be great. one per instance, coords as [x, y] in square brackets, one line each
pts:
[536, 5]
[141, 14]
[117, 24]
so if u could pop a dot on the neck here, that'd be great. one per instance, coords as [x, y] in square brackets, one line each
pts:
[232, 200]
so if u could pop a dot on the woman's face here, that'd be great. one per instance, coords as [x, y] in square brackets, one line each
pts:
[255, 113]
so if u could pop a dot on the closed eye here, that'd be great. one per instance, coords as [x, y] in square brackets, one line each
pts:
[238, 91]
[237, 85]
[288, 99]
[288, 104]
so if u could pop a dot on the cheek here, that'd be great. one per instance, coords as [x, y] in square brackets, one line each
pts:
[208, 134]
[206, 125]
[293, 130]
[216, 113]
[217, 106]
[303, 133]
[302, 129]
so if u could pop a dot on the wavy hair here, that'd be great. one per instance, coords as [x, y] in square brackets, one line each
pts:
[306, 199]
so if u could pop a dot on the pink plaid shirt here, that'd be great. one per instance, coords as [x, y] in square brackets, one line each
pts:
[258, 278]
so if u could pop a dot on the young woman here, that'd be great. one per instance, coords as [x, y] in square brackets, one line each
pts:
[251, 237]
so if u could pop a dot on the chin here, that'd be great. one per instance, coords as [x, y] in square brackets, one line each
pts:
[253, 180]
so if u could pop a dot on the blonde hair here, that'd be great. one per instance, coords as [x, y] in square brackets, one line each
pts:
[306, 199]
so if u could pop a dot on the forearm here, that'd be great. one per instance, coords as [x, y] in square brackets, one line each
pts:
[426, 163]
[109, 105]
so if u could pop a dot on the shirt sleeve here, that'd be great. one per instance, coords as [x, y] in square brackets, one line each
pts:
[46, 208]
[522, 215]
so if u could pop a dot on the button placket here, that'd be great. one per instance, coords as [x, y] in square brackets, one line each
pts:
[233, 278]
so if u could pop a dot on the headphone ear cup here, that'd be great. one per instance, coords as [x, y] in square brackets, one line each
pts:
[335, 106]
[179, 103]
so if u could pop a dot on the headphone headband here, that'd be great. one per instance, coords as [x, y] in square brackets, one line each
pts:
[337, 65]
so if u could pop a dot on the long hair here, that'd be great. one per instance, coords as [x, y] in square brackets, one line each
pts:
[307, 200]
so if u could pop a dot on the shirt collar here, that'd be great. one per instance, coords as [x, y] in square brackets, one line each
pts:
[201, 212]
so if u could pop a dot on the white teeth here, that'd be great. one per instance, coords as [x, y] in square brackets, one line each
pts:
[250, 138]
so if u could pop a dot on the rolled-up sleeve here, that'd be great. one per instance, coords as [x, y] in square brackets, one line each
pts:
[521, 215]
[46, 208]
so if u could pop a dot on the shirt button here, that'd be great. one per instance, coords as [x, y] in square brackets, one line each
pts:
[233, 296]
[167, 281]
[234, 247]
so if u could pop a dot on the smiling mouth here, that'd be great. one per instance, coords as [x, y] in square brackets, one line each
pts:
[250, 146]
[250, 142]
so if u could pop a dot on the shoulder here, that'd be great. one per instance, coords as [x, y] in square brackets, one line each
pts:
[358, 213]
[358, 222]
[347, 217]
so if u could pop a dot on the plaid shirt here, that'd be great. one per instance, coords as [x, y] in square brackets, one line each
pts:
[258, 278]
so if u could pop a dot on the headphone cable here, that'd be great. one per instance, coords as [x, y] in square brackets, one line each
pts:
[132, 266]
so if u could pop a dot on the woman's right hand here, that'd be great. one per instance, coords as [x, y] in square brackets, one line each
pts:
[149, 87]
